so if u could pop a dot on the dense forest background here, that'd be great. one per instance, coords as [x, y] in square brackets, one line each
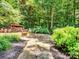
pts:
[45, 14]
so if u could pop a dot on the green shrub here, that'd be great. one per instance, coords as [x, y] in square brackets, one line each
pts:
[4, 44]
[68, 39]
[5, 40]
[39, 29]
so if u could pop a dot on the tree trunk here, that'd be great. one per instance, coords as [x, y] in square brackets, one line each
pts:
[52, 17]
[74, 11]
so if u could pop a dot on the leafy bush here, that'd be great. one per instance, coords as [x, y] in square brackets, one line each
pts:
[5, 40]
[8, 14]
[39, 29]
[68, 40]
[4, 44]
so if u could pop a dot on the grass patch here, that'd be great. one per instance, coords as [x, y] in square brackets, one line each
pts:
[7, 38]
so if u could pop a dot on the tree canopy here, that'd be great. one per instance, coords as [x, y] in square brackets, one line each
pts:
[45, 13]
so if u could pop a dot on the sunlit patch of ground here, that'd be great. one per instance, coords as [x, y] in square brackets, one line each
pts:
[16, 33]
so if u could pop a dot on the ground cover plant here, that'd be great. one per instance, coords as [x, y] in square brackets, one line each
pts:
[4, 44]
[5, 40]
[68, 40]
[40, 29]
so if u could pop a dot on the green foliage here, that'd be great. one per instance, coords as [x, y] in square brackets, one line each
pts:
[15, 37]
[68, 40]
[35, 16]
[5, 41]
[4, 44]
[50, 14]
[14, 3]
[39, 29]
[12, 38]
[46, 13]
[8, 14]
